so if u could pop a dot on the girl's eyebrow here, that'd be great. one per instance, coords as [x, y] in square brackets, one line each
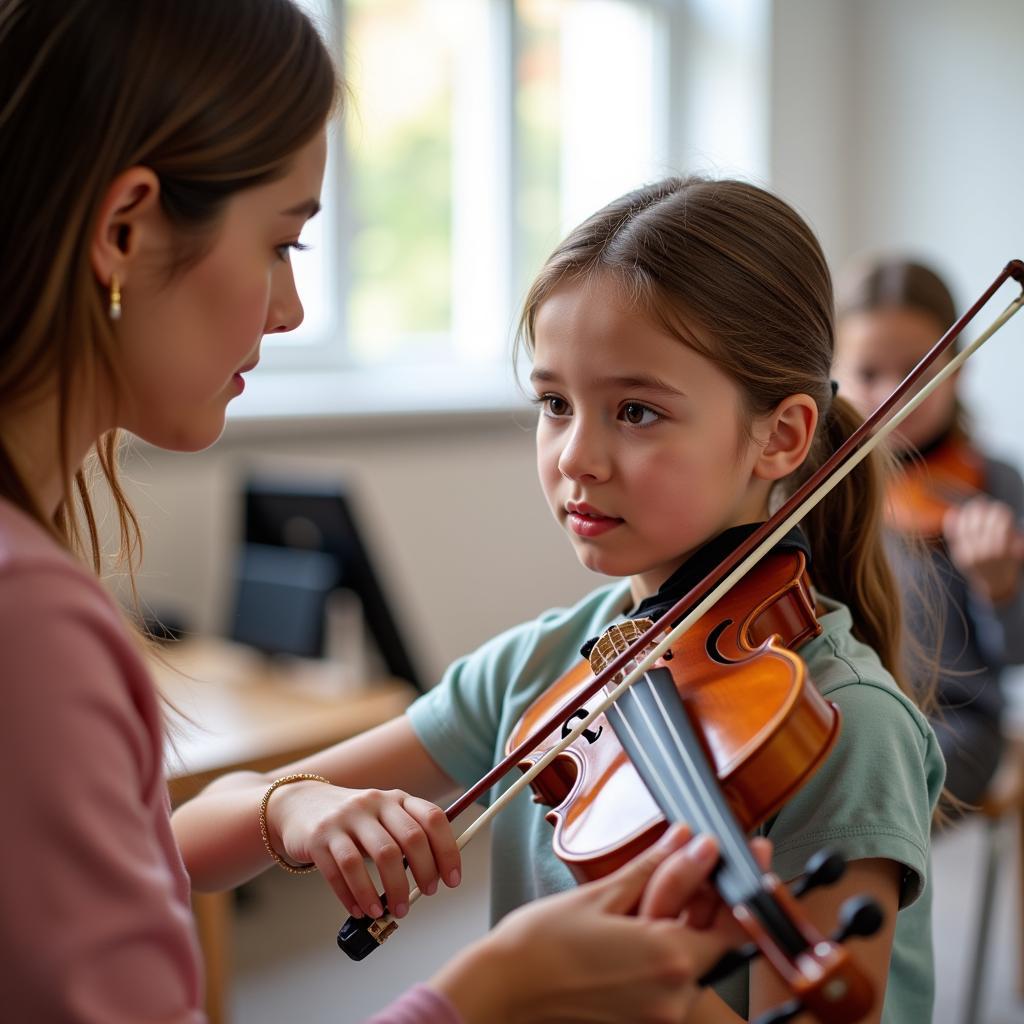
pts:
[631, 382]
[644, 382]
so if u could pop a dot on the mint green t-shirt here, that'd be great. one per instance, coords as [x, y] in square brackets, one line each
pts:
[873, 797]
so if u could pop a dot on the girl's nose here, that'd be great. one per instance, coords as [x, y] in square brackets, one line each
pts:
[584, 456]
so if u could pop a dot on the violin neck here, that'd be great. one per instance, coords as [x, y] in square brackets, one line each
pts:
[655, 731]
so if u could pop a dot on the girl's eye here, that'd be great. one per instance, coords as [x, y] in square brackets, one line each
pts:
[638, 415]
[553, 405]
[283, 251]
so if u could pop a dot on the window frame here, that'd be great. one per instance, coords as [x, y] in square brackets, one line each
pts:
[298, 379]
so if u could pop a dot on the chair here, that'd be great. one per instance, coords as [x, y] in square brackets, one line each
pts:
[1003, 802]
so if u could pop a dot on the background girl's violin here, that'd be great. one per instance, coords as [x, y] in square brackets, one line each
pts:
[926, 488]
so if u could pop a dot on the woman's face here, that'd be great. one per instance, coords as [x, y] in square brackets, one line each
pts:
[187, 342]
[875, 350]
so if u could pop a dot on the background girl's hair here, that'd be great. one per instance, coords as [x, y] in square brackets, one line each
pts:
[735, 273]
[214, 96]
[893, 281]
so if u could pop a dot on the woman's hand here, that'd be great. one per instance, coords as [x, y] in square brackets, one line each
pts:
[611, 950]
[335, 828]
[985, 545]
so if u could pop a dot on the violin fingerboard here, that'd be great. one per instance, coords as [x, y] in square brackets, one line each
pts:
[655, 731]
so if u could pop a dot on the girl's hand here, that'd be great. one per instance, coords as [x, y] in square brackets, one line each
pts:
[614, 950]
[336, 828]
[986, 546]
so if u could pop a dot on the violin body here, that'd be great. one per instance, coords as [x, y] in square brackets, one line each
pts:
[763, 726]
[919, 497]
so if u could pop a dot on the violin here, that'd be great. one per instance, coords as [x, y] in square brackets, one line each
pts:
[945, 475]
[720, 732]
[762, 726]
[671, 756]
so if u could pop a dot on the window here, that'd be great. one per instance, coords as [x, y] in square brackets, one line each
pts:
[477, 133]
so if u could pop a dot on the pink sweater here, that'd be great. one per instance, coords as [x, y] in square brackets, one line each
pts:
[95, 923]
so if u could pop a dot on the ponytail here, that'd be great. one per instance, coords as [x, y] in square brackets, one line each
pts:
[848, 560]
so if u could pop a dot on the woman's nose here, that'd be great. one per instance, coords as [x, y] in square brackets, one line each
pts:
[285, 311]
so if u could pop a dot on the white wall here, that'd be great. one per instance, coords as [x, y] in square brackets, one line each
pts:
[896, 126]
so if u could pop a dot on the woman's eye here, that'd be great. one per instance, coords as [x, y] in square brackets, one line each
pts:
[284, 251]
[638, 415]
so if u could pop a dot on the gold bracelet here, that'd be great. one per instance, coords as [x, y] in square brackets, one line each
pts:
[295, 869]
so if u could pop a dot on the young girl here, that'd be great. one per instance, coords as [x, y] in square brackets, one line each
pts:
[964, 506]
[160, 160]
[681, 341]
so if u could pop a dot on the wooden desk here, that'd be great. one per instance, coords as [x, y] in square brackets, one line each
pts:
[244, 712]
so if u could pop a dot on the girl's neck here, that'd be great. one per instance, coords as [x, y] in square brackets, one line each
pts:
[912, 455]
[699, 560]
[702, 561]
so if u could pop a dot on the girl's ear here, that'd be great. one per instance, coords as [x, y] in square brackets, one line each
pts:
[129, 218]
[785, 437]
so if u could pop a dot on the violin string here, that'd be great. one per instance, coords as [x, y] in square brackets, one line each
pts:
[670, 797]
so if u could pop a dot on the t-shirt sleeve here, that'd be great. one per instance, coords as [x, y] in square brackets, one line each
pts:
[459, 720]
[873, 796]
[94, 926]
[463, 722]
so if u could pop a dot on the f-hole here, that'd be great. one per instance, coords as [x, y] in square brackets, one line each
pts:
[711, 646]
[590, 735]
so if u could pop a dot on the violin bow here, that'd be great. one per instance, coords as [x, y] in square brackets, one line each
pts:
[363, 937]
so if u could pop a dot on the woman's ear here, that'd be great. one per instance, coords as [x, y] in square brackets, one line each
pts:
[128, 216]
[785, 437]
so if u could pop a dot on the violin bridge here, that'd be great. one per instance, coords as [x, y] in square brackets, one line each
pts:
[614, 640]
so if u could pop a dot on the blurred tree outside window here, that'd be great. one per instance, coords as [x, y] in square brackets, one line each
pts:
[475, 133]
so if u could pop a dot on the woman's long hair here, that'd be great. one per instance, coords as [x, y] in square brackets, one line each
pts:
[214, 96]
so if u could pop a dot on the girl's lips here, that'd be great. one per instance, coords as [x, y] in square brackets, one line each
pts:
[584, 525]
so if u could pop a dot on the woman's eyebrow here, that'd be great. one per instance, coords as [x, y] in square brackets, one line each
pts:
[308, 208]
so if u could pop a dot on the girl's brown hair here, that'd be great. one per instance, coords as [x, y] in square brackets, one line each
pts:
[738, 262]
[214, 96]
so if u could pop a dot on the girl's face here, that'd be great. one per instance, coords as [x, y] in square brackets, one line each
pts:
[187, 342]
[875, 350]
[640, 446]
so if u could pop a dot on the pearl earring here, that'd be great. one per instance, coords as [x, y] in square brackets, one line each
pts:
[114, 309]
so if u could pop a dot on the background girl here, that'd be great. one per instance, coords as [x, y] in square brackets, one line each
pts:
[964, 505]
[681, 341]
